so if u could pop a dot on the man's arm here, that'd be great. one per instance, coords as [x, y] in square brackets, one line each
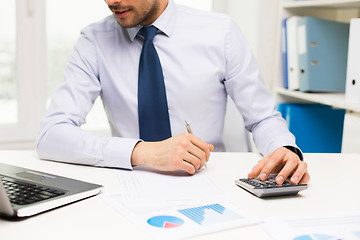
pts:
[270, 132]
[61, 137]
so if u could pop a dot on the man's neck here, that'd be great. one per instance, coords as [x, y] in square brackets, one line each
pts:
[158, 10]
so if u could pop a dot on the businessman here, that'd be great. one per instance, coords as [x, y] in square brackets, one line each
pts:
[156, 64]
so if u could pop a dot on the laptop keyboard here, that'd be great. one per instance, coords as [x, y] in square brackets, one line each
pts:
[22, 193]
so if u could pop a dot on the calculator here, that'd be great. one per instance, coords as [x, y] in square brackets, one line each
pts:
[269, 188]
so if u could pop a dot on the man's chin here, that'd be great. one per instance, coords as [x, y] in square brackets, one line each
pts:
[126, 24]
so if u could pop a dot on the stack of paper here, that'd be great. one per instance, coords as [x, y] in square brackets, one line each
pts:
[174, 205]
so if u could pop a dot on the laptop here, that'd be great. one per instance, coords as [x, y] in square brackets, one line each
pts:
[25, 192]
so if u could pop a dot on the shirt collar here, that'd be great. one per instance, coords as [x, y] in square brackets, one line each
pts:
[165, 22]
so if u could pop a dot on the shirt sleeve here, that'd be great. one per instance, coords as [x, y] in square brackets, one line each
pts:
[60, 136]
[244, 84]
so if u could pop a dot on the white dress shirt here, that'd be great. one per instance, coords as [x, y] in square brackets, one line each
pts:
[204, 58]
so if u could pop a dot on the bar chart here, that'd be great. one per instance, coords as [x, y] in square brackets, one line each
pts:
[210, 214]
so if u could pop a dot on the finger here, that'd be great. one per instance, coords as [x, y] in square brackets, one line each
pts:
[255, 171]
[301, 175]
[194, 160]
[187, 167]
[202, 145]
[298, 173]
[199, 154]
[290, 166]
[270, 163]
[211, 147]
[305, 179]
[196, 156]
[277, 161]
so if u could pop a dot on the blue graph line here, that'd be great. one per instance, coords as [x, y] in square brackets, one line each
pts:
[197, 214]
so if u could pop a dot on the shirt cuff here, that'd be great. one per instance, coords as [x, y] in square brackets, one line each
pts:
[118, 151]
[296, 150]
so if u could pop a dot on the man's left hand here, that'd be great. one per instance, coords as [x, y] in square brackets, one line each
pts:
[284, 162]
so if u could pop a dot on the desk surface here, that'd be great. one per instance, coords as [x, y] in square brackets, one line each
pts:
[334, 187]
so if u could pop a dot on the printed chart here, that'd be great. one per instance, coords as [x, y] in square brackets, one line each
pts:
[334, 226]
[165, 221]
[210, 214]
[159, 204]
[317, 237]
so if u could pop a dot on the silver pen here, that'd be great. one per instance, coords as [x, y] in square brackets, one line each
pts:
[188, 128]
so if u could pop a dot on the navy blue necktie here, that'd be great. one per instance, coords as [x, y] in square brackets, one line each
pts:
[154, 123]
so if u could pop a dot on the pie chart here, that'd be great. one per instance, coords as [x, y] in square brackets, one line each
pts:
[165, 221]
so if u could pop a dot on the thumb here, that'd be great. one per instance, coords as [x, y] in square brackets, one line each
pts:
[211, 147]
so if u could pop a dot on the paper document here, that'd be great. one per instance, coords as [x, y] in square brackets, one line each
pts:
[320, 227]
[174, 205]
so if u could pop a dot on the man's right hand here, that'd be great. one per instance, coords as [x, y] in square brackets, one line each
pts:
[182, 152]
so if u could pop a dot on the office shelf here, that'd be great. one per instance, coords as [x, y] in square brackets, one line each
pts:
[336, 100]
[337, 10]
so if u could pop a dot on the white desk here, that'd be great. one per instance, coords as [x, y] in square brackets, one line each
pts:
[334, 187]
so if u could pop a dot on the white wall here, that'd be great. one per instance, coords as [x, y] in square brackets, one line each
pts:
[258, 22]
[350, 143]
[245, 14]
